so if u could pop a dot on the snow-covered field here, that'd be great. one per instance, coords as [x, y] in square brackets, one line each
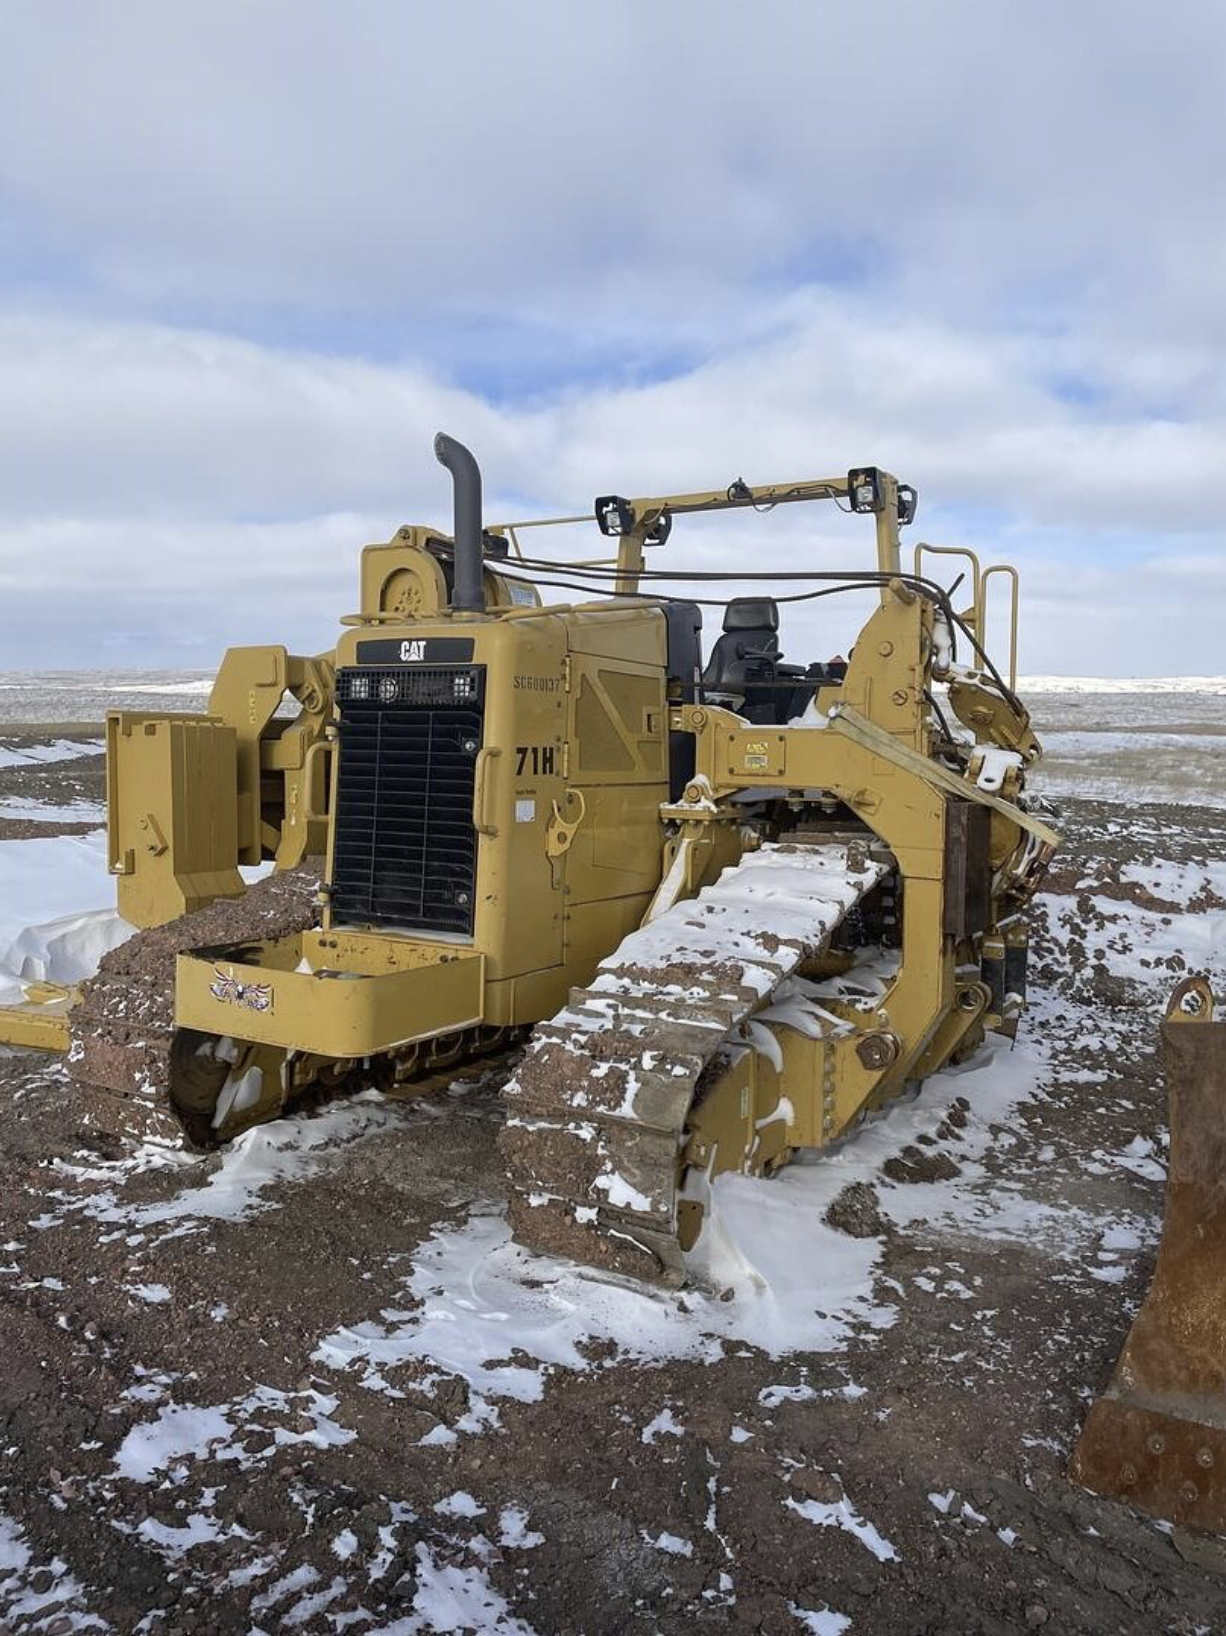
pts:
[465, 1311]
[330, 1316]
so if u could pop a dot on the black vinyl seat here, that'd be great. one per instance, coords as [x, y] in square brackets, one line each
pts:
[747, 652]
[746, 672]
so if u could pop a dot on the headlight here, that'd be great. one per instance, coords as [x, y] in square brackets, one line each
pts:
[359, 687]
[388, 688]
[464, 685]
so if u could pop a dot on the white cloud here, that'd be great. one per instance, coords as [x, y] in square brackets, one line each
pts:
[623, 163]
[167, 491]
[980, 244]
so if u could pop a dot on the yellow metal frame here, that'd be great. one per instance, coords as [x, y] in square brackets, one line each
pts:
[650, 510]
[339, 998]
[40, 1021]
[1011, 574]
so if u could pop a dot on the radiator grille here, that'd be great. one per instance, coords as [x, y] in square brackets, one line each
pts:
[406, 851]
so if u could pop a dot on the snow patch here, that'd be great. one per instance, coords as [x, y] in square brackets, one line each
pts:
[664, 1425]
[515, 1535]
[672, 1544]
[54, 921]
[45, 755]
[820, 1621]
[65, 1597]
[841, 1514]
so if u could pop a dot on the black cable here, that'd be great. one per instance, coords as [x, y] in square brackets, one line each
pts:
[845, 580]
[848, 583]
[940, 715]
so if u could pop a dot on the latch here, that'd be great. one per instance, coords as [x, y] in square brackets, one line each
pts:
[561, 831]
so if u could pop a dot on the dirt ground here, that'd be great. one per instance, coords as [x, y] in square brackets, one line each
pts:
[180, 1450]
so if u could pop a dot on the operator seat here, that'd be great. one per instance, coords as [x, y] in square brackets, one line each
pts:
[745, 659]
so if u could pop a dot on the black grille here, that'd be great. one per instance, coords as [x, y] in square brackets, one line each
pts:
[406, 850]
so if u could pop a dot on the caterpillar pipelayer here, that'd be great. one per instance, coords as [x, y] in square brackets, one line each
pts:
[730, 907]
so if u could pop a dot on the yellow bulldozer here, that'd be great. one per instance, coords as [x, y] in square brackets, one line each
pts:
[723, 905]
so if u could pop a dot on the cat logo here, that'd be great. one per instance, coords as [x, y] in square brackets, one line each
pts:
[410, 651]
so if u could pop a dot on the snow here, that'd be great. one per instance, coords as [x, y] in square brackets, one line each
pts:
[297, 1580]
[1215, 685]
[65, 1598]
[665, 1424]
[620, 1193]
[239, 1094]
[281, 1151]
[770, 1397]
[222, 1431]
[43, 755]
[54, 921]
[198, 689]
[180, 1430]
[514, 1534]
[198, 1530]
[1136, 938]
[477, 1298]
[841, 1514]
[1176, 882]
[454, 1599]
[474, 1300]
[672, 1544]
[155, 1294]
[723, 924]
[77, 812]
[57, 914]
[460, 1504]
[820, 1621]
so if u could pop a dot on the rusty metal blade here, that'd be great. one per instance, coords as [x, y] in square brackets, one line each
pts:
[1157, 1437]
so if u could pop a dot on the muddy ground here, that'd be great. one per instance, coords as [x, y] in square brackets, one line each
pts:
[179, 1452]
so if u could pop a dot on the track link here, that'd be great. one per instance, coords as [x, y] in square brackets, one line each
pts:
[598, 1107]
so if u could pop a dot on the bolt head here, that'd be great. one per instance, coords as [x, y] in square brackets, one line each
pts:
[877, 1050]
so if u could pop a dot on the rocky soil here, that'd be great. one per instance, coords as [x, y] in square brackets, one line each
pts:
[241, 1395]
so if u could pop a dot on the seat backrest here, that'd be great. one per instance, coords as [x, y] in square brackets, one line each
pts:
[748, 653]
[752, 613]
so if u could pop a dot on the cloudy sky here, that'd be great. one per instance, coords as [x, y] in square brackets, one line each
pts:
[253, 253]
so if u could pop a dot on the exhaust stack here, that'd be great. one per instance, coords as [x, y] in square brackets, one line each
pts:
[468, 588]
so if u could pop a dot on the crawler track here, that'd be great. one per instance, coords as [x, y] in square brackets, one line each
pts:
[598, 1108]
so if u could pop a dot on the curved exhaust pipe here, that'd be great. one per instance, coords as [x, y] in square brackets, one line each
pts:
[468, 586]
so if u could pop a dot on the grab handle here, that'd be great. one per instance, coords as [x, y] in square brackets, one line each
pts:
[481, 790]
[321, 747]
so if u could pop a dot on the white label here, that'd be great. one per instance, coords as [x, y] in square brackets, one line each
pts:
[525, 812]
